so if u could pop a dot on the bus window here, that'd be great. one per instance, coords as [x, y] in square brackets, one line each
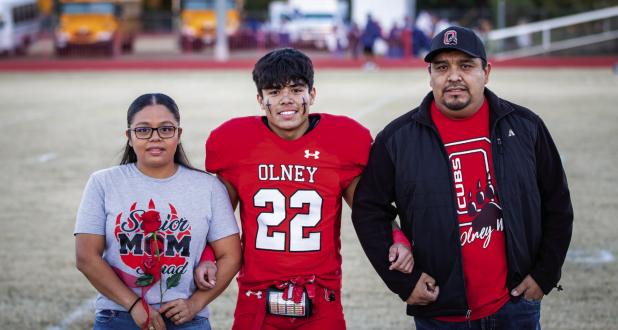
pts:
[87, 8]
[198, 5]
[25, 13]
[206, 4]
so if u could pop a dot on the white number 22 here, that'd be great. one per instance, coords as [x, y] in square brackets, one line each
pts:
[276, 241]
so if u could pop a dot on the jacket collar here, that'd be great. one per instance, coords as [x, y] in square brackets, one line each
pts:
[497, 110]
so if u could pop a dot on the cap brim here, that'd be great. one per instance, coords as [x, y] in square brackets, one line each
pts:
[435, 52]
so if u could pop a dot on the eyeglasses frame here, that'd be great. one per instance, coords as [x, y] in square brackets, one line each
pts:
[152, 130]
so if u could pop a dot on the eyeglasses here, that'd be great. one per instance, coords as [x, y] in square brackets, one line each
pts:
[165, 132]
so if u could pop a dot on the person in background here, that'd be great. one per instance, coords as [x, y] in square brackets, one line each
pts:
[371, 33]
[395, 42]
[354, 34]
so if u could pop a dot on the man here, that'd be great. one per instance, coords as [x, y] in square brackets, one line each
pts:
[370, 34]
[480, 190]
[289, 170]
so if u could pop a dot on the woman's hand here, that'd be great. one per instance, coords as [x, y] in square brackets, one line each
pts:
[88, 252]
[139, 315]
[179, 311]
[205, 275]
[401, 258]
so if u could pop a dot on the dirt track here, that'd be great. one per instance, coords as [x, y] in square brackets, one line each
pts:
[57, 128]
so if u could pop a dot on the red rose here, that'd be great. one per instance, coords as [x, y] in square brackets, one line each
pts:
[153, 244]
[151, 221]
[150, 265]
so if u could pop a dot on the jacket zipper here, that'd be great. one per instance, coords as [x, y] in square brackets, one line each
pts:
[499, 169]
[468, 318]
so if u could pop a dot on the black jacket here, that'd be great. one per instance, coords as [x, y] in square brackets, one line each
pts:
[408, 166]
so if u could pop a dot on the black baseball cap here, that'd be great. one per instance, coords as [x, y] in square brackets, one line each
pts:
[457, 38]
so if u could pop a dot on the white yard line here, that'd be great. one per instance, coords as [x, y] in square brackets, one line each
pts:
[86, 307]
[377, 105]
[24, 117]
[44, 158]
[595, 257]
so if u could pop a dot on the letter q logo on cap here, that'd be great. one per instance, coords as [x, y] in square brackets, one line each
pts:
[450, 38]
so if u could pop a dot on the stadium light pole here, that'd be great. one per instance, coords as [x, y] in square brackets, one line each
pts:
[501, 15]
[501, 22]
[176, 15]
[222, 52]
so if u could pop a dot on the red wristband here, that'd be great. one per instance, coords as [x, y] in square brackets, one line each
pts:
[208, 254]
[400, 237]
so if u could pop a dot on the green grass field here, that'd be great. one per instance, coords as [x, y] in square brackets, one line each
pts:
[57, 128]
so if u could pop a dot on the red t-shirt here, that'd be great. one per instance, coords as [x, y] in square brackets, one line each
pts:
[290, 194]
[479, 212]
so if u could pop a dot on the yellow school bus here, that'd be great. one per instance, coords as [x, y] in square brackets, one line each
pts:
[108, 25]
[198, 22]
[46, 7]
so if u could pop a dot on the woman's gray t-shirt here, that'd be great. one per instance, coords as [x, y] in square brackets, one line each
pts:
[194, 208]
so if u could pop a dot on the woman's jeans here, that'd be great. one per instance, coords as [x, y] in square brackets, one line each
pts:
[521, 315]
[113, 320]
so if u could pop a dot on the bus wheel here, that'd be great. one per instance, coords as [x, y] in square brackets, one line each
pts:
[186, 45]
[61, 52]
[20, 50]
[112, 49]
[127, 47]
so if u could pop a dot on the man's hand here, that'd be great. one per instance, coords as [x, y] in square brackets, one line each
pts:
[205, 275]
[401, 258]
[179, 311]
[528, 289]
[425, 291]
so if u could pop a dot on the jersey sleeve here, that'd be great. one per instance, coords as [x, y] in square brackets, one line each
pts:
[223, 145]
[215, 156]
[355, 151]
[208, 254]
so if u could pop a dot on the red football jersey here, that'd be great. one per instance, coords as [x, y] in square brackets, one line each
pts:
[290, 194]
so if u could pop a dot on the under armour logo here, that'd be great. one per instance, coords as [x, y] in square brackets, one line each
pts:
[450, 38]
[511, 133]
[315, 155]
[258, 294]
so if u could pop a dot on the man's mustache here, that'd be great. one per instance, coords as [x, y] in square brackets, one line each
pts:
[447, 88]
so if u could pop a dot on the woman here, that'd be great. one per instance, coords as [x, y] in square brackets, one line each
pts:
[142, 225]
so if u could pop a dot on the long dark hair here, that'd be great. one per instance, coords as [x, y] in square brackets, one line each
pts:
[128, 155]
